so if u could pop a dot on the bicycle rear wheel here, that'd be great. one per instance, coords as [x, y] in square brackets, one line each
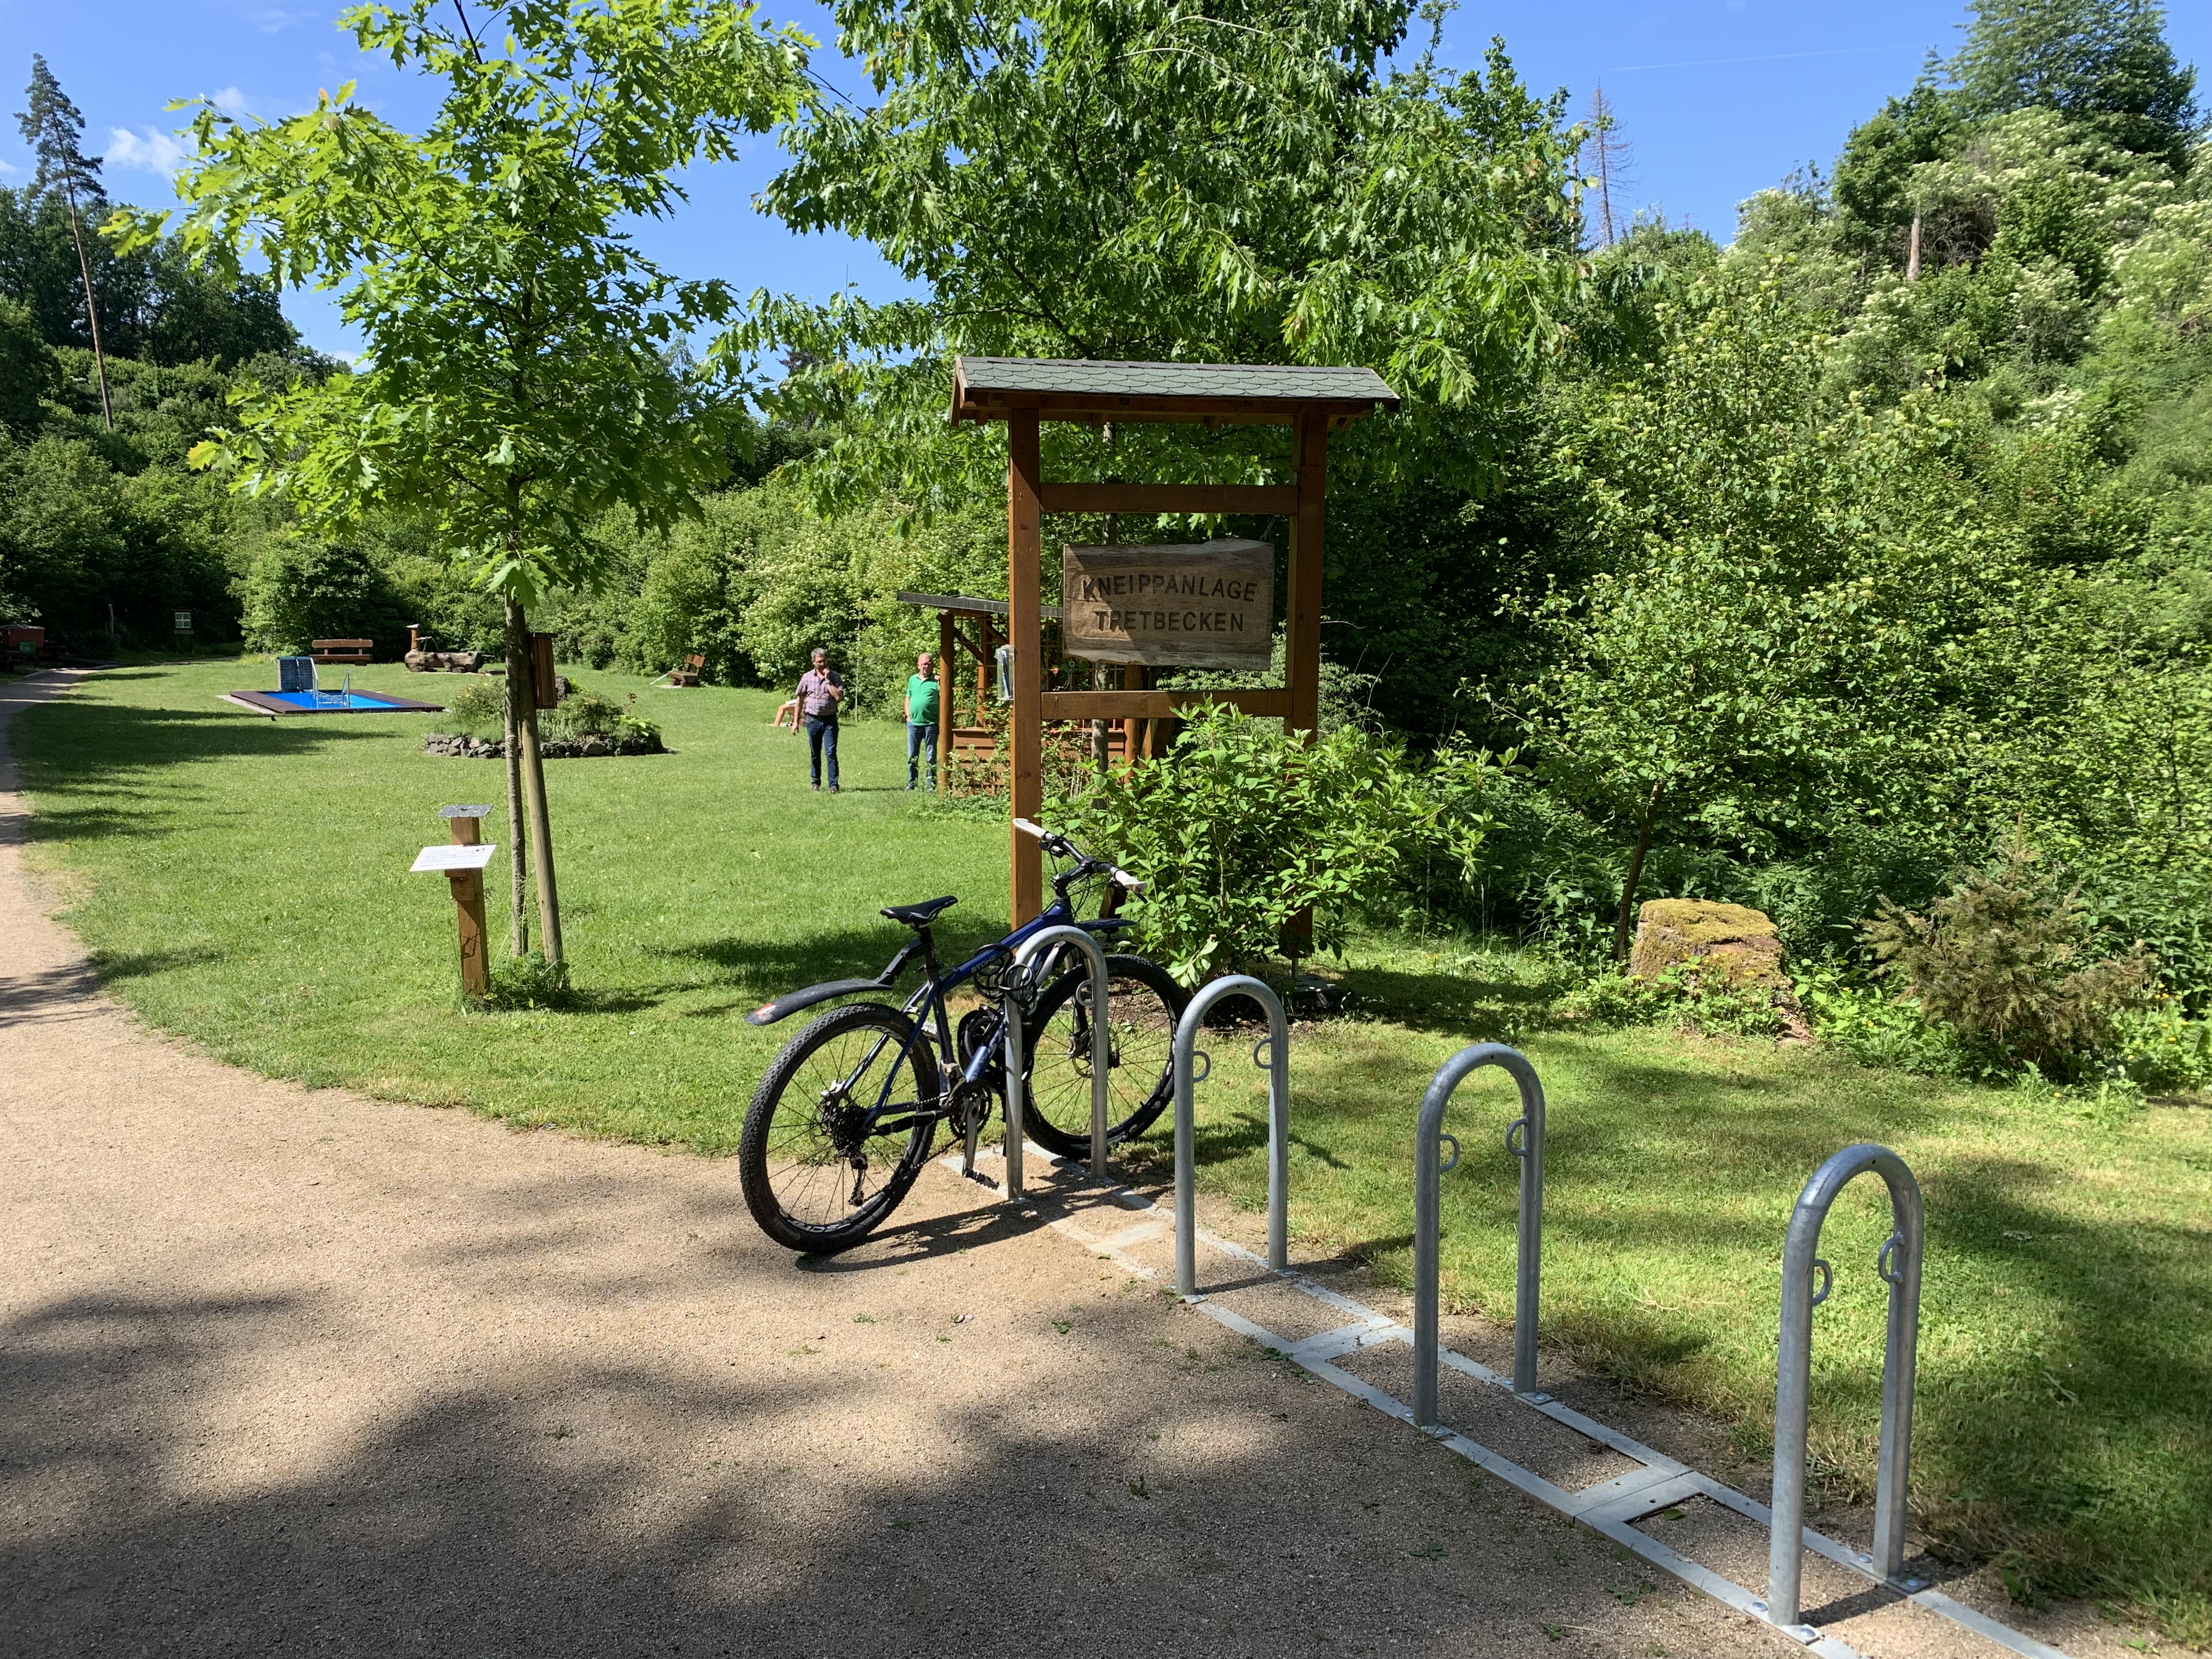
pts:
[815, 1173]
[1143, 1005]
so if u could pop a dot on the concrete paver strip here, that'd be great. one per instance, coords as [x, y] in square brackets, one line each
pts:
[300, 1370]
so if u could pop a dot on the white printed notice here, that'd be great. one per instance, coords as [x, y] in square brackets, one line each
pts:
[455, 857]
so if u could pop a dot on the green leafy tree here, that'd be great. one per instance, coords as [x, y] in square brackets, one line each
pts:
[1238, 180]
[525, 367]
[2104, 62]
[153, 304]
[1799, 622]
[52, 126]
[28, 370]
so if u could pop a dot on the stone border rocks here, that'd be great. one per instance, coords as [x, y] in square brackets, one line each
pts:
[464, 747]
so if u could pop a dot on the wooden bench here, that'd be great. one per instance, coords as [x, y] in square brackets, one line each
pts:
[343, 651]
[688, 674]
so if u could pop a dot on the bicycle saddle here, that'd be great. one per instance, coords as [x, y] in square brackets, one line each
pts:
[921, 915]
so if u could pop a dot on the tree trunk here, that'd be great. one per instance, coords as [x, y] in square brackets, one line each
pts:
[91, 312]
[1912, 252]
[522, 706]
[1634, 879]
[518, 859]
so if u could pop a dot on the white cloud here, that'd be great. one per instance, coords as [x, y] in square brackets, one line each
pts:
[271, 21]
[6, 169]
[231, 101]
[158, 152]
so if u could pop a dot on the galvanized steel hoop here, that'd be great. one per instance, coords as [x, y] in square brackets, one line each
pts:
[1898, 1265]
[1277, 1043]
[1529, 1248]
[1100, 1049]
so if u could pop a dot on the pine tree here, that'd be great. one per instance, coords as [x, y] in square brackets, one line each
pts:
[52, 126]
[2104, 61]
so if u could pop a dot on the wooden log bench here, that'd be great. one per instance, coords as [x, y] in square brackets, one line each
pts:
[350, 652]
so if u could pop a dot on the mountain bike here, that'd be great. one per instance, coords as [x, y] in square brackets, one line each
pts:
[849, 1113]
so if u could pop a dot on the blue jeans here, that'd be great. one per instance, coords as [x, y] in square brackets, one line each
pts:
[923, 739]
[822, 740]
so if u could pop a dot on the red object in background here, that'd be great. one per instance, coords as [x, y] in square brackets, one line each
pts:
[19, 641]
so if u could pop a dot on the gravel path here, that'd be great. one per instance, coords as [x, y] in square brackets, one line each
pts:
[302, 1372]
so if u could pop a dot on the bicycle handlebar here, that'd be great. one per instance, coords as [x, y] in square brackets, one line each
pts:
[1060, 847]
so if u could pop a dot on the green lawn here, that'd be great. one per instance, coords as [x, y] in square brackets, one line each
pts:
[247, 885]
[243, 883]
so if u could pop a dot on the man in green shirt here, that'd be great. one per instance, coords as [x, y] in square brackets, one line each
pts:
[922, 719]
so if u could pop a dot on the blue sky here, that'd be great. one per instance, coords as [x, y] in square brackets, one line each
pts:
[1718, 99]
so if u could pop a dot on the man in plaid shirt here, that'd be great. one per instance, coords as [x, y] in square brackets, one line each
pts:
[819, 693]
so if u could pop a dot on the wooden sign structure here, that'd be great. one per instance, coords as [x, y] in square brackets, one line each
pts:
[462, 863]
[1025, 391]
[1207, 606]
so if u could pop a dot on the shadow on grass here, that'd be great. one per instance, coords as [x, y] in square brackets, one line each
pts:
[771, 967]
[112, 965]
[1440, 1001]
[71, 747]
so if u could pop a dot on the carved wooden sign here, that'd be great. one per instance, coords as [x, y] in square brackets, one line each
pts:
[1207, 606]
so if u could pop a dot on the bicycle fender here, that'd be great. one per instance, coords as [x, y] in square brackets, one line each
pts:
[769, 1012]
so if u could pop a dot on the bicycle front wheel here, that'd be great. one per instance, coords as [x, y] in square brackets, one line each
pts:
[1143, 1005]
[838, 1128]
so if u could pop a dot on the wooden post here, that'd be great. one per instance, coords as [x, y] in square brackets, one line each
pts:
[542, 678]
[1026, 731]
[944, 717]
[1136, 745]
[1302, 612]
[469, 900]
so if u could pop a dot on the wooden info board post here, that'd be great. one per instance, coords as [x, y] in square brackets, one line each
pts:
[1311, 400]
[463, 863]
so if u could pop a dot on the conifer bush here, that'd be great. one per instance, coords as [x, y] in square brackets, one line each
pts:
[2009, 960]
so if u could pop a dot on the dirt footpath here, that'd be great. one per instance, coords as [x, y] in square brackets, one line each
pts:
[304, 1372]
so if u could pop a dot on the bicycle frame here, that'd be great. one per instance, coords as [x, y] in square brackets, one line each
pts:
[926, 1007]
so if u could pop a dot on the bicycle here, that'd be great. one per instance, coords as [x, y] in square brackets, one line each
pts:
[847, 1113]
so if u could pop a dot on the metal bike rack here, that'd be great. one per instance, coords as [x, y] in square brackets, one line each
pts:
[1101, 1051]
[1277, 1043]
[1898, 1264]
[1528, 1249]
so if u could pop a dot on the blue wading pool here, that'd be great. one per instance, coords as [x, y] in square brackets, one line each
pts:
[273, 703]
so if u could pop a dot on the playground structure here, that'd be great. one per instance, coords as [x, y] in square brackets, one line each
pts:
[1657, 1483]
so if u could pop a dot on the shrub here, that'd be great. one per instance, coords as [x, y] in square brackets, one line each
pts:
[1877, 1028]
[479, 708]
[588, 714]
[1682, 994]
[2161, 1047]
[1242, 827]
[2009, 960]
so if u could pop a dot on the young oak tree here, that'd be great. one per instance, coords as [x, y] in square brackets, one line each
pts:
[526, 366]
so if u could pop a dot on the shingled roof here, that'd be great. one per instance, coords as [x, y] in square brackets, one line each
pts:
[985, 388]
